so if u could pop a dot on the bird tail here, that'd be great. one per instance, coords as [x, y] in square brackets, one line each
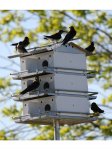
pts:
[25, 51]
[45, 37]
[14, 44]
[23, 92]
[63, 42]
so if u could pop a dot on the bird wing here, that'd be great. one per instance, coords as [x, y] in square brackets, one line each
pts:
[24, 50]
[54, 36]
[100, 110]
[25, 42]
[90, 48]
[87, 48]
[95, 108]
[31, 87]
[21, 48]
[67, 38]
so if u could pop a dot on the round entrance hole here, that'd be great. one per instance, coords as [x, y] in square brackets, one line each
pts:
[45, 63]
[47, 107]
[46, 85]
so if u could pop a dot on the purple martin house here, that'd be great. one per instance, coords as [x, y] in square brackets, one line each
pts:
[63, 92]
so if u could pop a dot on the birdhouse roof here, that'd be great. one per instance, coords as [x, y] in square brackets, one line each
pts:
[52, 47]
[80, 48]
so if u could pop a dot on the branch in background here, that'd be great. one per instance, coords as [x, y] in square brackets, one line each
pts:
[103, 32]
[70, 17]
[8, 68]
[107, 106]
[95, 125]
[67, 15]
[6, 59]
[102, 47]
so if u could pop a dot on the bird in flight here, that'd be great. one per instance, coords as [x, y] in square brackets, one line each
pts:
[20, 46]
[54, 37]
[31, 87]
[69, 36]
[95, 108]
[90, 48]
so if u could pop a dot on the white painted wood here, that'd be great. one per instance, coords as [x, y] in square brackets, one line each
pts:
[69, 49]
[69, 60]
[72, 104]
[64, 82]
[23, 63]
[34, 62]
[57, 103]
[25, 108]
[55, 59]
[70, 82]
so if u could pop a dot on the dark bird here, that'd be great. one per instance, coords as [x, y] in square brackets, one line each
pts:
[32, 86]
[90, 48]
[56, 36]
[21, 45]
[96, 109]
[69, 36]
[25, 42]
[21, 48]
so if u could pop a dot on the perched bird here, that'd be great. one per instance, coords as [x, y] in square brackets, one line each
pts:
[32, 86]
[56, 36]
[25, 42]
[21, 45]
[90, 48]
[21, 48]
[96, 109]
[69, 36]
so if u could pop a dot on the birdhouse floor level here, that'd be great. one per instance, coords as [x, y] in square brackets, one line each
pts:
[47, 119]
[28, 97]
[25, 74]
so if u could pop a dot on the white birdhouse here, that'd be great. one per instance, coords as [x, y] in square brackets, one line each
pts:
[63, 92]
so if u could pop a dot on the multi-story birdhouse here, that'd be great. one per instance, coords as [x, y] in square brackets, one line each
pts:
[63, 92]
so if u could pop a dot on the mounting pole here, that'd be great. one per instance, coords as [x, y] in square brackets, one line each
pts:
[56, 129]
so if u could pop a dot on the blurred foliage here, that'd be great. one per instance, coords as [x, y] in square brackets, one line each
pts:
[7, 135]
[90, 25]
[11, 111]
[4, 83]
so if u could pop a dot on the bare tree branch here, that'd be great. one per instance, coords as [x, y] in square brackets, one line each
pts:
[103, 32]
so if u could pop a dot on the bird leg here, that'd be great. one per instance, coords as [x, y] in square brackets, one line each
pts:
[93, 114]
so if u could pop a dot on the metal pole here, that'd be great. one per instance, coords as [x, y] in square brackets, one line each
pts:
[56, 130]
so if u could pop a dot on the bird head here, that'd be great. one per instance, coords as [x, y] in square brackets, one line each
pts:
[61, 31]
[71, 27]
[94, 103]
[92, 43]
[26, 38]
